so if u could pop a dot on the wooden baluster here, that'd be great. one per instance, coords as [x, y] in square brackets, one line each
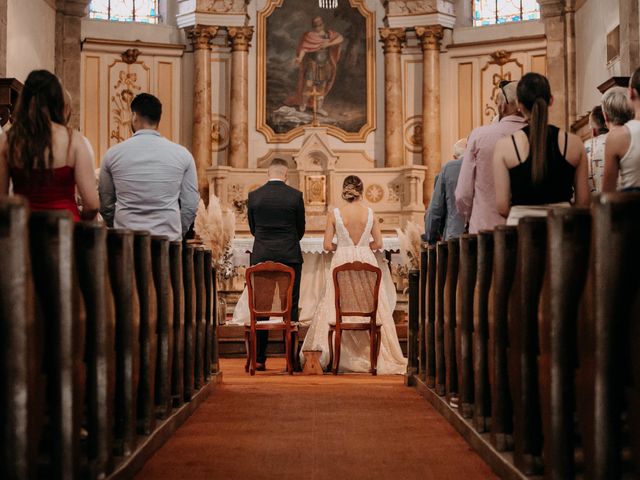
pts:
[164, 296]
[215, 351]
[505, 241]
[482, 397]
[177, 323]
[615, 289]
[450, 320]
[523, 344]
[198, 272]
[93, 278]
[422, 318]
[125, 295]
[148, 332]
[189, 320]
[569, 233]
[208, 326]
[441, 277]
[61, 332]
[430, 321]
[17, 375]
[466, 285]
[412, 334]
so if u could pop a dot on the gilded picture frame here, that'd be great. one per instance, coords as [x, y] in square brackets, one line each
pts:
[365, 110]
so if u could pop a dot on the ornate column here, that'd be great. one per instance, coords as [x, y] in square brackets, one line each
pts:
[430, 37]
[392, 39]
[560, 61]
[69, 17]
[239, 40]
[200, 36]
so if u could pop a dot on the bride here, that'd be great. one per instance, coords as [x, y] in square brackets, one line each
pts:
[358, 236]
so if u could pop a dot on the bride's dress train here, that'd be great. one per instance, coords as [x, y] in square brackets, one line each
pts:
[354, 355]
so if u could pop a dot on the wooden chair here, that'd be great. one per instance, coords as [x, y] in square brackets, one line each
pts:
[352, 304]
[270, 287]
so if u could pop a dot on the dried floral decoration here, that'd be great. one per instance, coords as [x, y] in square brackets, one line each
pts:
[410, 240]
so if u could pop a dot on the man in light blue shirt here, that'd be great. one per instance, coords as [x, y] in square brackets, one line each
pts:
[148, 182]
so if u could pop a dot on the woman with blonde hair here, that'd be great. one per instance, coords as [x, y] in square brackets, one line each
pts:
[358, 237]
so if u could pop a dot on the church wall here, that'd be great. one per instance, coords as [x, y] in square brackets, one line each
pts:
[475, 60]
[31, 28]
[108, 77]
[594, 19]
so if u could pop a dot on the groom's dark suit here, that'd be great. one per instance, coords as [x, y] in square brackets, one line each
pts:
[276, 220]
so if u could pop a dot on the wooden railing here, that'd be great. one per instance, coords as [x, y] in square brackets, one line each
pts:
[99, 365]
[537, 341]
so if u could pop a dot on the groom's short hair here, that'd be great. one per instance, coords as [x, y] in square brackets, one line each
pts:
[278, 167]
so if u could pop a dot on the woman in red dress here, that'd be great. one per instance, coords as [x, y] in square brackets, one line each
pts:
[45, 159]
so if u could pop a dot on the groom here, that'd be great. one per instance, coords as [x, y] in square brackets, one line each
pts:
[276, 219]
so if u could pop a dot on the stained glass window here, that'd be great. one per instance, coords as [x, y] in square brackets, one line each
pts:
[491, 12]
[145, 11]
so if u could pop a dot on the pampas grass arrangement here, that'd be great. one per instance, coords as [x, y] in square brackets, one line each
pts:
[410, 240]
[215, 227]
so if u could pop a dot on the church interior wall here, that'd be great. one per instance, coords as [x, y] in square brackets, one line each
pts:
[471, 62]
[31, 26]
[594, 20]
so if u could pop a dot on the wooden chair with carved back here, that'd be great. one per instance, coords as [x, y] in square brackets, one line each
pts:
[270, 287]
[357, 286]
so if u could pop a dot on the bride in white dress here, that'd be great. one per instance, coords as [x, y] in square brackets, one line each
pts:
[358, 236]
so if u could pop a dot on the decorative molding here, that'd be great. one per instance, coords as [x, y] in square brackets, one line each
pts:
[146, 48]
[413, 134]
[506, 40]
[613, 82]
[219, 133]
[125, 89]
[222, 6]
[261, 117]
[374, 193]
[201, 35]
[240, 38]
[130, 56]
[430, 36]
[499, 59]
[392, 39]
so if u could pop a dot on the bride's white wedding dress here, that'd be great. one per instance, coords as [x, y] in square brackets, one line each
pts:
[354, 355]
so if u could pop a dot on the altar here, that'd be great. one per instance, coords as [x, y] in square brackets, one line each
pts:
[315, 271]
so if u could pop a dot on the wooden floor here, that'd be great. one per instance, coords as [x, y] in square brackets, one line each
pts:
[314, 427]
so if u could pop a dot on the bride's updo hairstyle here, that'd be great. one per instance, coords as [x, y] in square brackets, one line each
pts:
[352, 188]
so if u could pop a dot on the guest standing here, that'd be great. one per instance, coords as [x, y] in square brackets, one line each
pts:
[475, 193]
[442, 219]
[594, 148]
[540, 166]
[622, 151]
[44, 158]
[148, 182]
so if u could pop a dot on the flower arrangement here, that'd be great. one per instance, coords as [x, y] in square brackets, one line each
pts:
[410, 240]
[216, 228]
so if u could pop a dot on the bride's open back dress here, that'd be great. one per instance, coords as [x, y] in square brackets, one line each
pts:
[354, 355]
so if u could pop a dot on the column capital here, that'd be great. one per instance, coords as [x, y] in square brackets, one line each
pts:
[551, 8]
[74, 8]
[240, 38]
[201, 35]
[430, 36]
[392, 39]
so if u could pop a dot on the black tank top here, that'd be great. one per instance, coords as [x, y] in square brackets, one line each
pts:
[557, 185]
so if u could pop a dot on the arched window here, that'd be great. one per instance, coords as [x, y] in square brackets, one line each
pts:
[491, 12]
[145, 11]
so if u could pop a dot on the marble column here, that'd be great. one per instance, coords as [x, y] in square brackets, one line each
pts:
[629, 36]
[430, 37]
[68, 48]
[239, 40]
[553, 15]
[200, 37]
[3, 38]
[392, 39]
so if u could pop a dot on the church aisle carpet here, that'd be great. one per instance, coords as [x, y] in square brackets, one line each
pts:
[273, 426]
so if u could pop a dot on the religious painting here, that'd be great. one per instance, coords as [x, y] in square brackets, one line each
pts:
[315, 67]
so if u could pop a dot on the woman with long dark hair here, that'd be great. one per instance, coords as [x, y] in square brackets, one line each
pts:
[45, 159]
[540, 166]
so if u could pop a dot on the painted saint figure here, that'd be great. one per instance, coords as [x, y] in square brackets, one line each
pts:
[317, 55]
